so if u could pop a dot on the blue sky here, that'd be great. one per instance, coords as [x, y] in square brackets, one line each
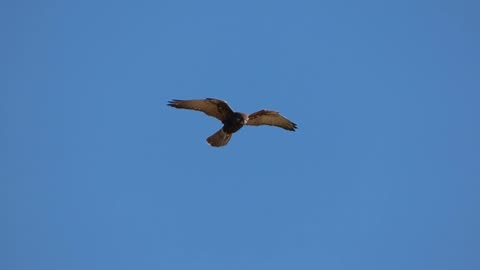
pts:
[97, 173]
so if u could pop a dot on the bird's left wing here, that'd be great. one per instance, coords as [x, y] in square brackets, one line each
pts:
[270, 118]
[210, 106]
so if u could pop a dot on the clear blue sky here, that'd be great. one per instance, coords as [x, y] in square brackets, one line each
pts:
[98, 173]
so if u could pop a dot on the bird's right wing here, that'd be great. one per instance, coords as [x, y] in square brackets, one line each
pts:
[210, 106]
[270, 118]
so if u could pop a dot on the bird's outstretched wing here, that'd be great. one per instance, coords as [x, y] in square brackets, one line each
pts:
[270, 118]
[210, 106]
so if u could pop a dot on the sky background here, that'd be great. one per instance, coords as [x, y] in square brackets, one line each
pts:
[98, 173]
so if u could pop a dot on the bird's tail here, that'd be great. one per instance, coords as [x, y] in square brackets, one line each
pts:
[220, 138]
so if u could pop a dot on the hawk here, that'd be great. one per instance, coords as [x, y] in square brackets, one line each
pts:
[232, 121]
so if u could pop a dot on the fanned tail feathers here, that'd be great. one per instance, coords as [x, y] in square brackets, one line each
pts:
[220, 138]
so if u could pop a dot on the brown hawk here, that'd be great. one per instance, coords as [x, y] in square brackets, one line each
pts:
[232, 121]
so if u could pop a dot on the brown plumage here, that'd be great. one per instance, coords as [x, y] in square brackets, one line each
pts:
[232, 121]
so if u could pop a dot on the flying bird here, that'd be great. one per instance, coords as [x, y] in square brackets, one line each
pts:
[232, 121]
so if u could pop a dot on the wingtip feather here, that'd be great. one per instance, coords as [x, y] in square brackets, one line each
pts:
[173, 103]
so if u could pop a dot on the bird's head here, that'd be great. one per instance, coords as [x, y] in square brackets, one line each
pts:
[241, 118]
